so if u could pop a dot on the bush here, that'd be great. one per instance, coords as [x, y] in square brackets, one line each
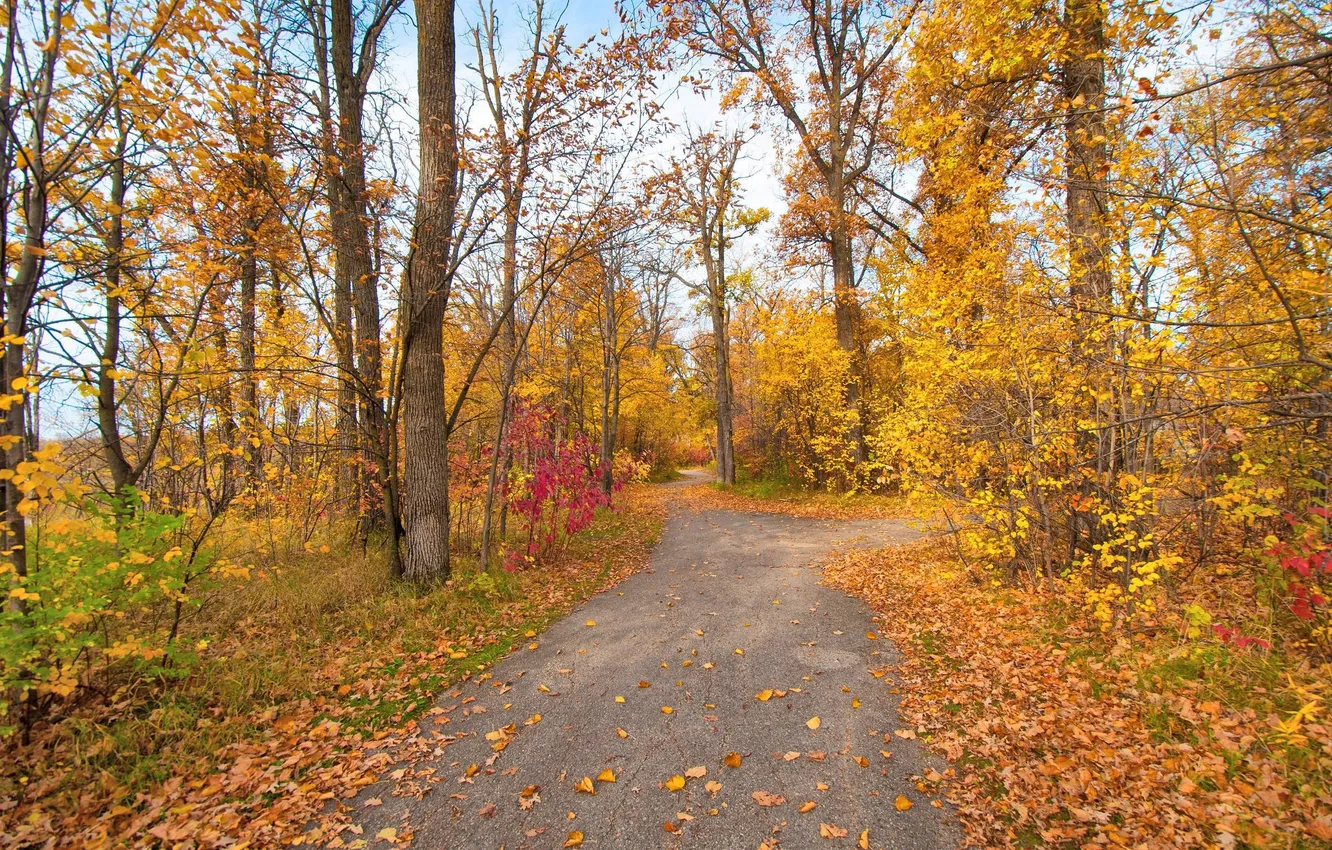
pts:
[106, 589]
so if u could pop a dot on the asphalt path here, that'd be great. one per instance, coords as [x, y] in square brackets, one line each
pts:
[659, 680]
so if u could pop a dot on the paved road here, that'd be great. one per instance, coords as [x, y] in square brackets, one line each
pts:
[720, 584]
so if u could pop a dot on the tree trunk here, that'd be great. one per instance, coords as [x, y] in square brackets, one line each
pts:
[609, 377]
[1086, 160]
[352, 254]
[112, 444]
[1086, 154]
[425, 425]
[246, 354]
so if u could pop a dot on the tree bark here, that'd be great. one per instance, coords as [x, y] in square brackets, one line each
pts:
[425, 426]
[1086, 155]
[352, 250]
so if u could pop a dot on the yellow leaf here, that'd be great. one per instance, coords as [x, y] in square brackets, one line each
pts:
[902, 803]
[814, 722]
[806, 808]
[388, 833]
[619, 699]
[732, 760]
[666, 709]
[675, 783]
[764, 695]
[575, 839]
[864, 840]
[621, 733]
[606, 775]
[590, 623]
[585, 785]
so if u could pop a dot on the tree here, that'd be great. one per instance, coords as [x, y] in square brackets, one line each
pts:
[847, 51]
[703, 193]
[425, 298]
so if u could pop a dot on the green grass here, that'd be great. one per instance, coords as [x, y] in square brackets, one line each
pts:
[782, 488]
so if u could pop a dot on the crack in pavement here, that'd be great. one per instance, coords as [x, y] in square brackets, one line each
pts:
[718, 571]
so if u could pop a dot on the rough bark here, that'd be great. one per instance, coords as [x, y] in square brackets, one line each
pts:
[425, 426]
[352, 249]
[1086, 153]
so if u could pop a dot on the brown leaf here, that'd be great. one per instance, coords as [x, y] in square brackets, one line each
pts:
[828, 830]
[764, 798]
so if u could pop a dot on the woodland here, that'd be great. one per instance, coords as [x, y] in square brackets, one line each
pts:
[343, 340]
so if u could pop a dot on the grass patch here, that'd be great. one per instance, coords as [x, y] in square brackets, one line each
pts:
[788, 496]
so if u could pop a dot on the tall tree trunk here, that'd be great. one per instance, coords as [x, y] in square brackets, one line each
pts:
[1086, 160]
[1086, 153]
[609, 383]
[251, 441]
[107, 422]
[352, 254]
[846, 303]
[714, 268]
[425, 431]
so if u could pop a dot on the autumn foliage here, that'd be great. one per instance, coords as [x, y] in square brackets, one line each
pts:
[1054, 275]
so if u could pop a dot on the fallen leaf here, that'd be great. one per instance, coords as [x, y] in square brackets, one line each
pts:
[670, 827]
[666, 709]
[585, 785]
[575, 839]
[606, 775]
[902, 803]
[644, 683]
[621, 732]
[828, 830]
[864, 840]
[814, 722]
[764, 695]
[712, 787]
[696, 772]
[806, 808]
[675, 783]
[388, 834]
[732, 760]
[487, 811]
[764, 798]
[590, 623]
